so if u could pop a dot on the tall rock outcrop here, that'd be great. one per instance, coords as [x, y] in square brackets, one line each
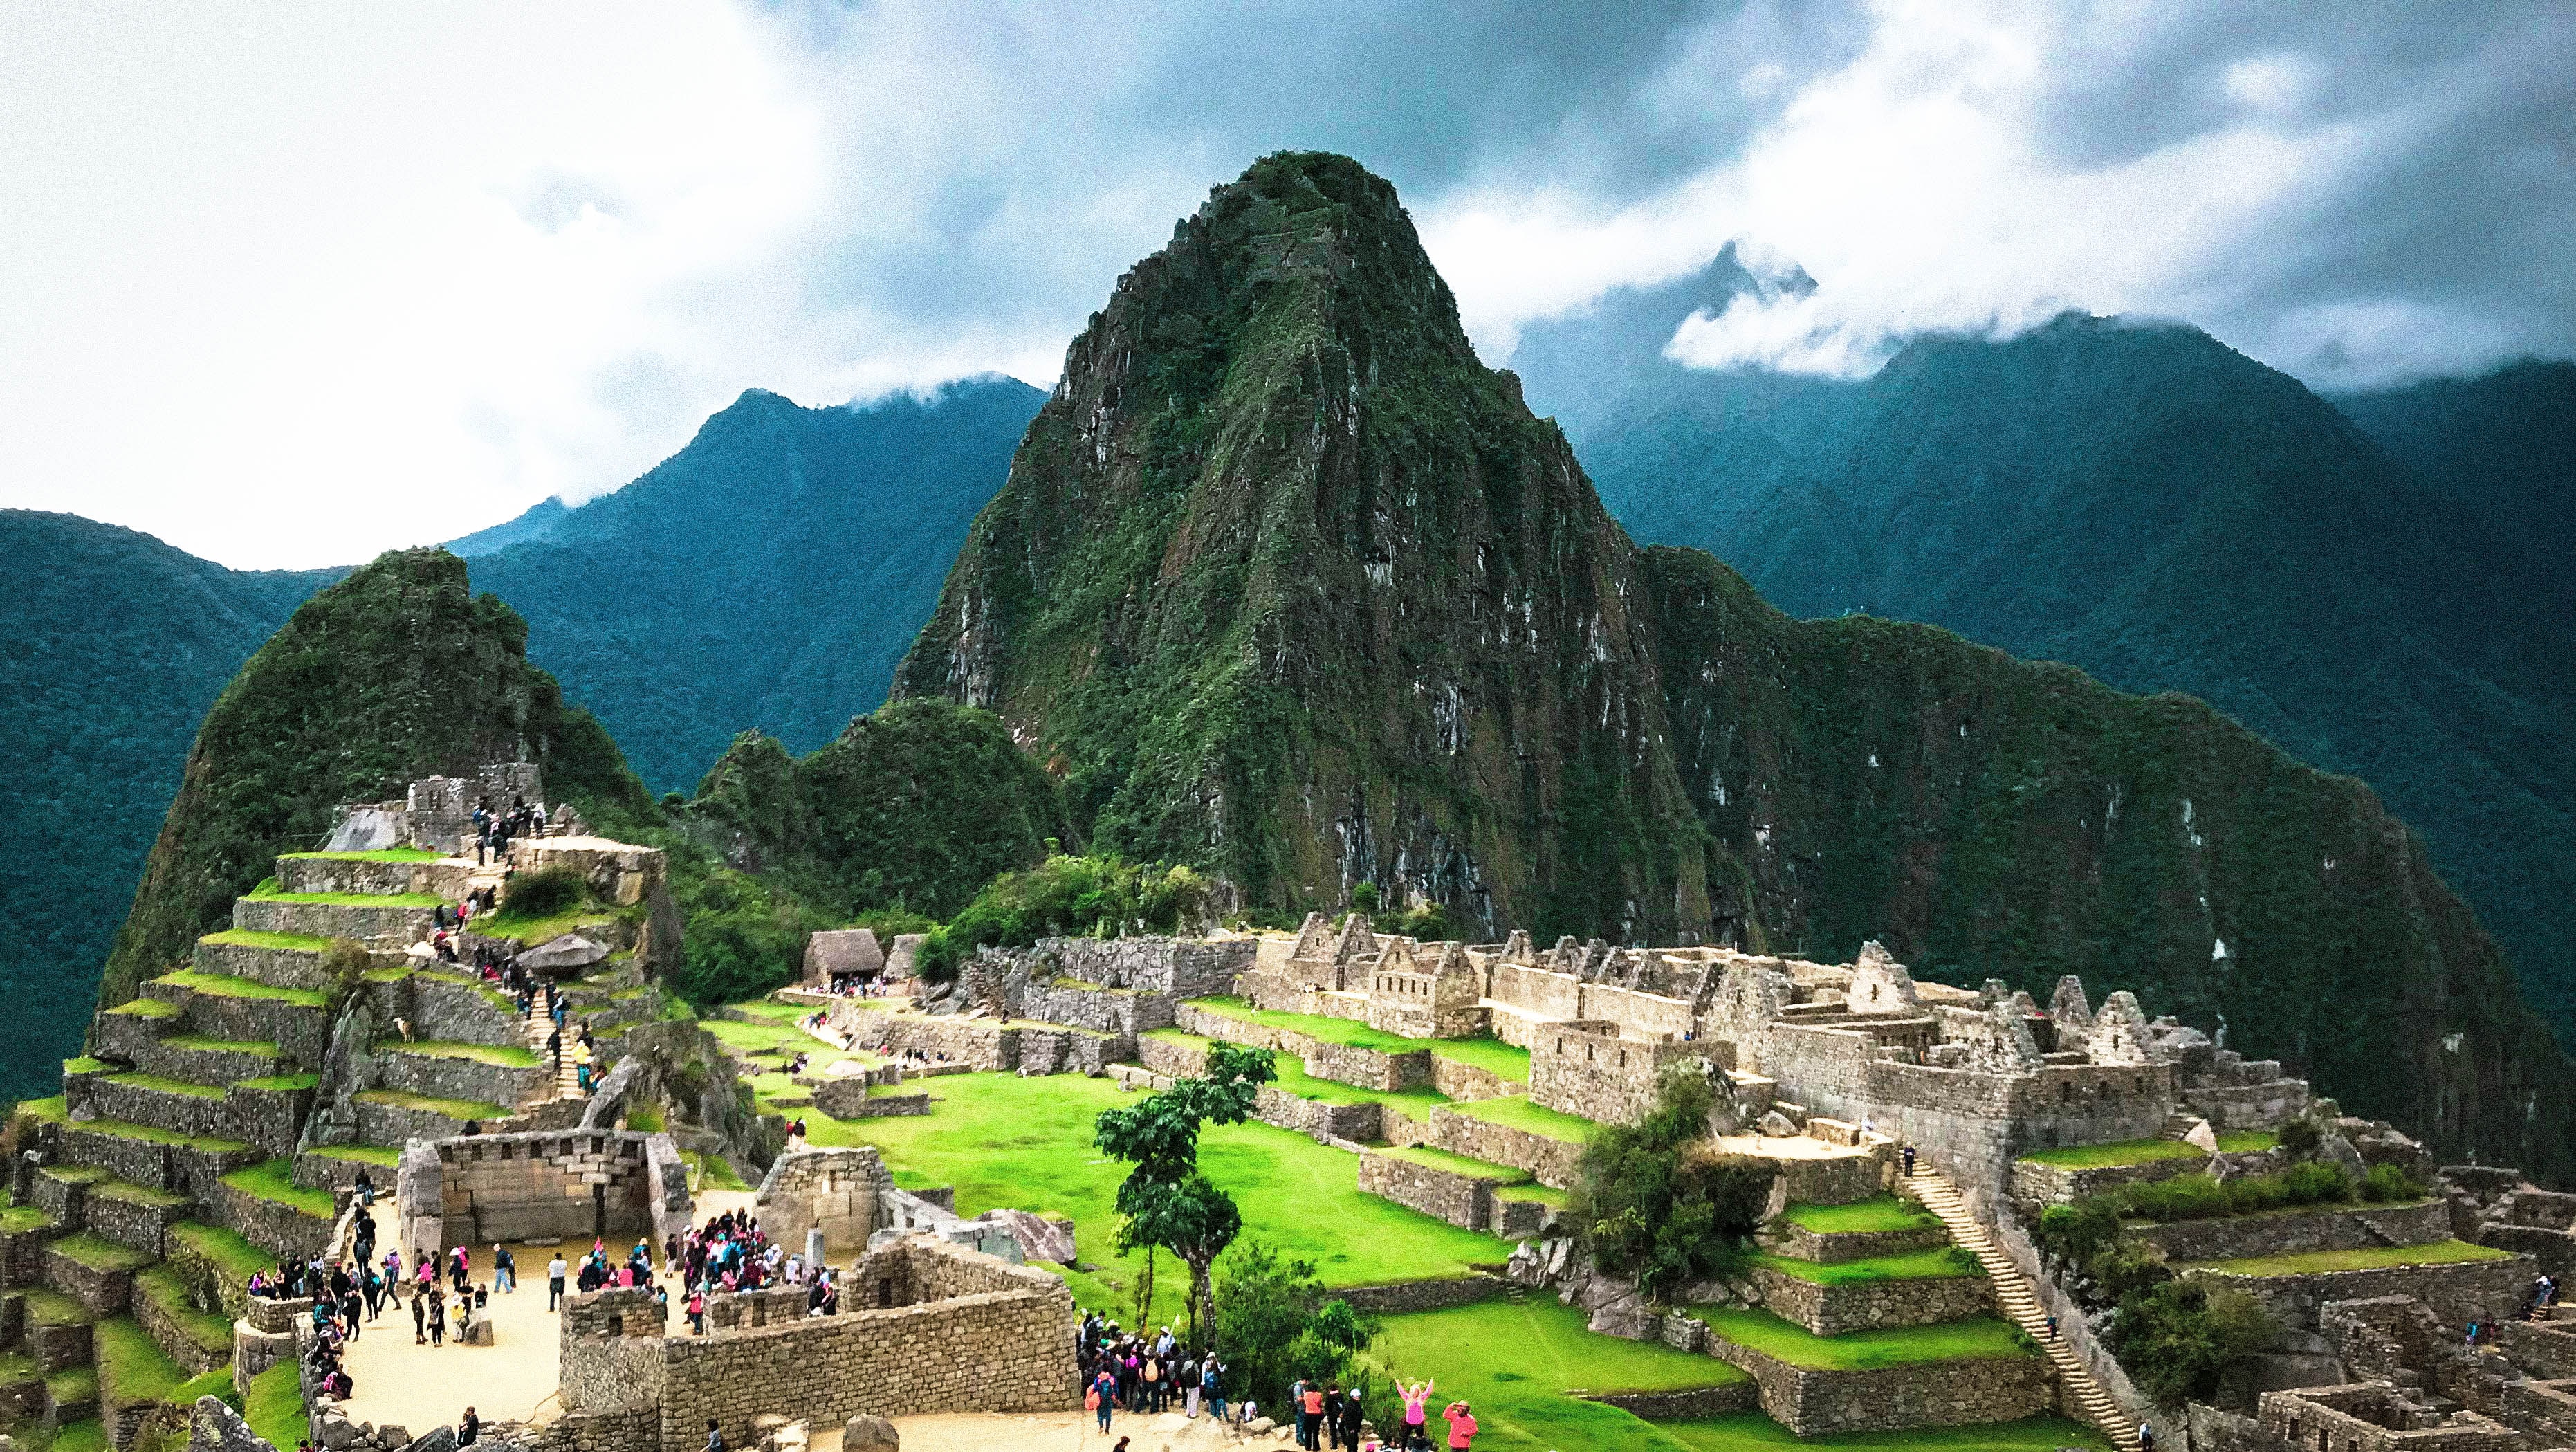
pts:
[1285, 583]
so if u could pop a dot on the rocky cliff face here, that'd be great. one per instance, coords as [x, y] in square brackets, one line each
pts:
[1285, 583]
[393, 674]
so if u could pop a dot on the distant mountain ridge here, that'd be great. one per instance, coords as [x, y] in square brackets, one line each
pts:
[2143, 502]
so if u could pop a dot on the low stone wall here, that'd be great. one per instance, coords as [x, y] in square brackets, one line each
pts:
[1177, 967]
[1926, 1394]
[59, 1345]
[1549, 1161]
[276, 967]
[299, 1030]
[201, 1066]
[22, 1256]
[1799, 1243]
[2487, 1290]
[445, 1077]
[179, 1168]
[850, 1099]
[2343, 1227]
[1341, 1063]
[1391, 1298]
[280, 1229]
[268, 1118]
[1700, 1401]
[193, 1114]
[173, 1339]
[2554, 1251]
[1466, 1081]
[1862, 1305]
[2034, 1183]
[1465, 1201]
[1102, 1010]
[445, 877]
[1173, 1060]
[401, 1123]
[450, 1006]
[136, 1223]
[1315, 1119]
[130, 1036]
[833, 1190]
[100, 1292]
[333, 919]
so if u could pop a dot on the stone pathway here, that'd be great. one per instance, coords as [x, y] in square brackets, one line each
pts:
[537, 1026]
[2084, 1398]
[420, 1387]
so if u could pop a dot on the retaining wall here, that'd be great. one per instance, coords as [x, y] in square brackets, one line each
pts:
[1863, 1305]
[1928, 1394]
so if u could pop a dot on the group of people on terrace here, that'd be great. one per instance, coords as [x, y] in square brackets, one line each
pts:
[730, 1254]
[493, 830]
[1145, 1374]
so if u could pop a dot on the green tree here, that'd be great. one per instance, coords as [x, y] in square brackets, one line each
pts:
[1276, 1325]
[1164, 1200]
[1654, 1201]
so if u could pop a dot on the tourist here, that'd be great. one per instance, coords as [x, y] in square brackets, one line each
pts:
[715, 1437]
[2146, 1438]
[1414, 1418]
[1215, 1389]
[419, 1323]
[555, 1281]
[366, 1188]
[437, 1316]
[698, 1312]
[1310, 1416]
[1909, 1162]
[1462, 1427]
[1104, 1390]
[1352, 1416]
[468, 1429]
[505, 1270]
[2052, 1328]
[1152, 1377]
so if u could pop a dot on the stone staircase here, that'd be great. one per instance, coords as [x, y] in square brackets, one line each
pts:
[2082, 1396]
[536, 1026]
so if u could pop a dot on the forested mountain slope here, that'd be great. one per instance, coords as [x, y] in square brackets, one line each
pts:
[1287, 584]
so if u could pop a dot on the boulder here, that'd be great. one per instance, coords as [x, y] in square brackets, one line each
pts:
[436, 1439]
[2202, 1137]
[214, 1427]
[567, 954]
[338, 1433]
[1776, 1125]
[868, 1433]
[1039, 1238]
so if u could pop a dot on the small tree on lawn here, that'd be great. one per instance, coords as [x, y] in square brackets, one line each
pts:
[1654, 1199]
[1165, 1201]
[1277, 1325]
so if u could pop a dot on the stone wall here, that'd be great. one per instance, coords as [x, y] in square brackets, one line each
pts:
[1862, 1305]
[1391, 1298]
[300, 1031]
[1797, 1242]
[1463, 1200]
[1181, 968]
[1316, 1119]
[850, 1099]
[305, 874]
[2488, 1290]
[1466, 1081]
[445, 1077]
[2355, 1418]
[987, 1336]
[389, 921]
[1587, 1068]
[2034, 1183]
[1549, 1161]
[280, 1229]
[2294, 1232]
[1102, 1010]
[1172, 1059]
[833, 1190]
[1927, 1394]
[1341, 1063]
[973, 1042]
[556, 1185]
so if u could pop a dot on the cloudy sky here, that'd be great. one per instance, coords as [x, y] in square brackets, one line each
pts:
[290, 284]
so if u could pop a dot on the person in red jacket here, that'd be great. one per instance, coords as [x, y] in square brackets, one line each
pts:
[1462, 1426]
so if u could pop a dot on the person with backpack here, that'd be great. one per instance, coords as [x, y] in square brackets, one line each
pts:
[1104, 1392]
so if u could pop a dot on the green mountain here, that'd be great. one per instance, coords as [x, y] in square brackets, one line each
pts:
[1285, 583]
[115, 646]
[393, 674]
[768, 576]
[2149, 505]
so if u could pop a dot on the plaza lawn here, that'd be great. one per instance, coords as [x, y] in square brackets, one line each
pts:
[2377, 1257]
[753, 1037]
[1315, 1026]
[1936, 1264]
[1754, 1432]
[1972, 1338]
[2126, 1152]
[1515, 1111]
[1876, 1214]
[1515, 1365]
[1002, 1140]
[2248, 1141]
[1509, 1062]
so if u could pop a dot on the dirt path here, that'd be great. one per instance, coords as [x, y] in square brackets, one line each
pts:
[420, 1387]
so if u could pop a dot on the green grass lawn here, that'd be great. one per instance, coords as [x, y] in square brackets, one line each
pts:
[199, 1043]
[233, 1257]
[169, 1294]
[1503, 1061]
[139, 1195]
[273, 1180]
[1002, 1140]
[786, 1013]
[53, 1109]
[275, 1406]
[73, 1387]
[1314, 1026]
[1515, 1365]
[282, 1083]
[530, 930]
[384, 1157]
[715, 1173]
[77, 1174]
[223, 985]
[1754, 1432]
[155, 1134]
[452, 1108]
[89, 1434]
[2248, 1141]
[1976, 1337]
[164, 1085]
[758, 1036]
[2126, 1152]
[84, 1064]
[147, 1008]
[499, 1056]
[53, 1308]
[1455, 1164]
[1515, 1111]
[1936, 1264]
[2439, 1252]
[1876, 1214]
[381, 854]
[284, 942]
[99, 1253]
[354, 899]
[18, 1219]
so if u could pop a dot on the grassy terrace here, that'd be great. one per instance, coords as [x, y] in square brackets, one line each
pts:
[2108, 1156]
[1877, 1214]
[135, 1369]
[1936, 1264]
[431, 1103]
[53, 1308]
[169, 1294]
[786, 1013]
[76, 1174]
[2248, 1141]
[1754, 1432]
[1519, 1366]
[266, 893]
[49, 1110]
[101, 1254]
[1293, 1079]
[84, 1064]
[273, 1180]
[283, 1083]
[382, 854]
[506, 924]
[1492, 1055]
[138, 1195]
[232, 1256]
[499, 1056]
[1974, 1338]
[753, 1037]
[224, 986]
[199, 1043]
[1004, 1140]
[1515, 1111]
[165, 1085]
[19, 1219]
[75, 1387]
[283, 942]
[147, 1008]
[1503, 1061]
[2377, 1257]
[381, 1156]
[1474, 1169]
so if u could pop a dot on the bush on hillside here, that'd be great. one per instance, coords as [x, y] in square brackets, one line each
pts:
[1653, 1200]
[544, 893]
[2176, 1338]
[1069, 896]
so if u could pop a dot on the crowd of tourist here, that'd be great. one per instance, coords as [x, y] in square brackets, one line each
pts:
[729, 1254]
[493, 830]
[1123, 1371]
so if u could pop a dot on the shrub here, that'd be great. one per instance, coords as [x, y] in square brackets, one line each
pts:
[1273, 1324]
[544, 893]
[2175, 1338]
[1068, 896]
[2318, 1182]
[1652, 1201]
[2387, 1183]
[2301, 1138]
